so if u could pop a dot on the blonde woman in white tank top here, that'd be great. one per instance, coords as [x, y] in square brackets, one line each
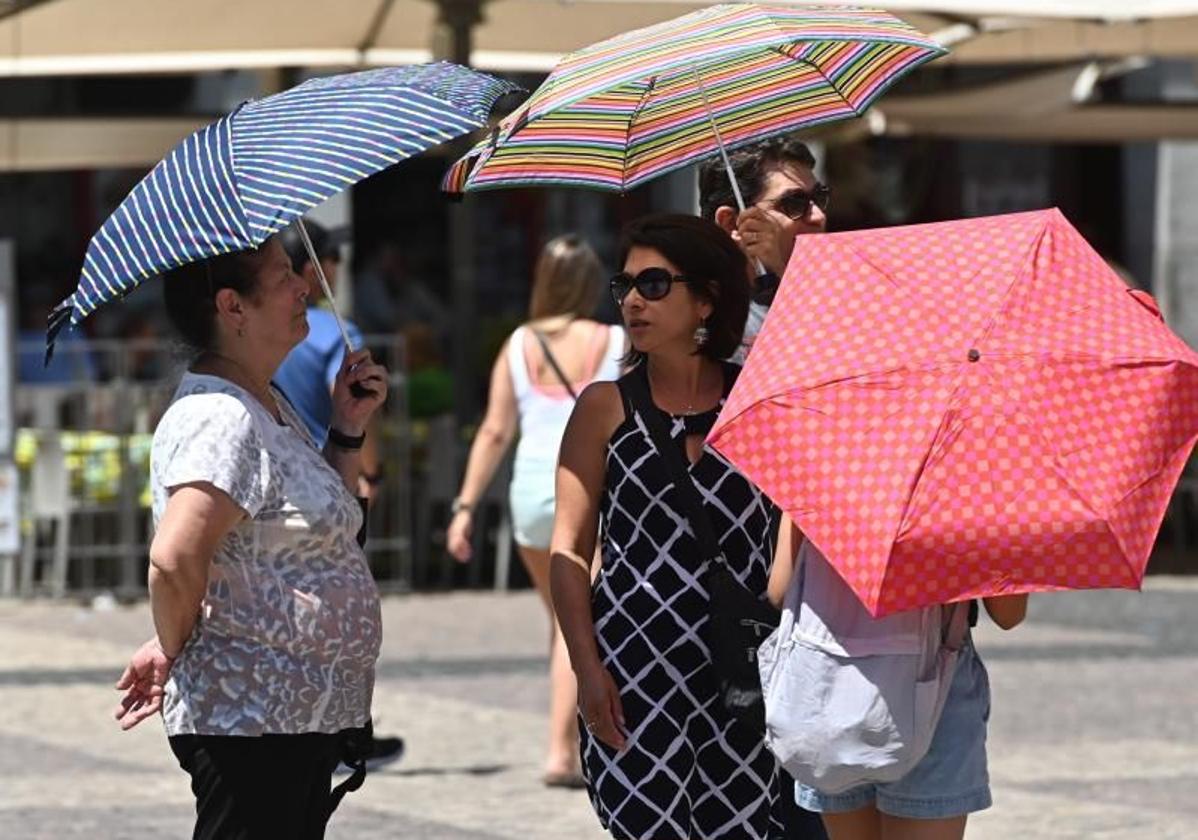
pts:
[529, 397]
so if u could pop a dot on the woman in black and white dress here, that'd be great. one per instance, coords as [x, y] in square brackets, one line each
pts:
[662, 759]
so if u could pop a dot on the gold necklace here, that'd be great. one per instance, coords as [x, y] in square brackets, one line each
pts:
[689, 411]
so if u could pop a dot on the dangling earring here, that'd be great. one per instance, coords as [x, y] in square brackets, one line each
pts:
[701, 334]
[240, 332]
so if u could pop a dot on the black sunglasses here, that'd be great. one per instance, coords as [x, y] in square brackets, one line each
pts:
[651, 284]
[797, 203]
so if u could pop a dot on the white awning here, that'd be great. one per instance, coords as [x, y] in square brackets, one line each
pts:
[1081, 9]
[1087, 124]
[1050, 106]
[28, 145]
[142, 36]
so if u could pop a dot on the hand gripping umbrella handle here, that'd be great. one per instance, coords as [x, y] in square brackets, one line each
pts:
[356, 389]
[719, 141]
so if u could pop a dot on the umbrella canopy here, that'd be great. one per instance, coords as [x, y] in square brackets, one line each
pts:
[232, 184]
[965, 409]
[623, 111]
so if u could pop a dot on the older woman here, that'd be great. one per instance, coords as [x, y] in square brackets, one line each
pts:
[266, 616]
[662, 758]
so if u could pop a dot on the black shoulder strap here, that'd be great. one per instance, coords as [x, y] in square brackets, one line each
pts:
[635, 386]
[553, 362]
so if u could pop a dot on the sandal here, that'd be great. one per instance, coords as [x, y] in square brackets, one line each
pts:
[570, 779]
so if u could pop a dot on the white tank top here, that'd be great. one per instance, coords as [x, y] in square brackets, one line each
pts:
[545, 408]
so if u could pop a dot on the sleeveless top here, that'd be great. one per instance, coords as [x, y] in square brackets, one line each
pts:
[650, 608]
[545, 408]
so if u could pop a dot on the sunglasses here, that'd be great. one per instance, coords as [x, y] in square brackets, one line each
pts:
[651, 284]
[797, 203]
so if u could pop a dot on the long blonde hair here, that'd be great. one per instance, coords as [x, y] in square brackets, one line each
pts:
[568, 279]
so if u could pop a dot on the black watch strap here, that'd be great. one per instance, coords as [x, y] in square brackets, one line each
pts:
[343, 441]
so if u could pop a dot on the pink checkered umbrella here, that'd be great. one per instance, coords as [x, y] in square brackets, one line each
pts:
[965, 409]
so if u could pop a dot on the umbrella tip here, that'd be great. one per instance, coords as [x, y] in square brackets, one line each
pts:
[59, 317]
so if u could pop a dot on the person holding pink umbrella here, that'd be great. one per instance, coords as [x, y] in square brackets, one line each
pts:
[933, 800]
[976, 409]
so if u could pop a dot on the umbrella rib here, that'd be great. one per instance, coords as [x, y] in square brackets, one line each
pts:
[941, 431]
[828, 383]
[640, 105]
[998, 384]
[1033, 248]
[243, 222]
[1034, 326]
[916, 303]
[818, 70]
[1148, 478]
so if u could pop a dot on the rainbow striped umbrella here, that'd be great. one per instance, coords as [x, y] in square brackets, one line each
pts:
[626, 110]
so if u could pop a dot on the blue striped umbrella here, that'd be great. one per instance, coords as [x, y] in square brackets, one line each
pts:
[231, 185]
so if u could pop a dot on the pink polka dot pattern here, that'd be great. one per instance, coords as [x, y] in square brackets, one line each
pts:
[965, 409]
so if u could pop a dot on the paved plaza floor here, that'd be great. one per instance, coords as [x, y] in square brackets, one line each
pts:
[1094, 731]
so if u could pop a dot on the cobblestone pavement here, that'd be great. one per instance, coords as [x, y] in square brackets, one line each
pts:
[1094, 732]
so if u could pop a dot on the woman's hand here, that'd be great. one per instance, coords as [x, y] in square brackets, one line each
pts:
[599, 704]
[351, 413]
[144, 683]
[457, 539]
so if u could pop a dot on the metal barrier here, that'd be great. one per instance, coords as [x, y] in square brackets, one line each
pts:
[83, 453]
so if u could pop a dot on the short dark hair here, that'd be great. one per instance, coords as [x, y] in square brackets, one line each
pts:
[714, 266]
[189, 292]
[326, 243]
[750, 164]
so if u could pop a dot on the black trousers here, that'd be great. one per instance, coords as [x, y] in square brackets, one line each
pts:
[260, 788]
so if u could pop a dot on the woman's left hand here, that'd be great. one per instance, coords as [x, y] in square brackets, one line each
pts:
[144, 682]
[351, 413]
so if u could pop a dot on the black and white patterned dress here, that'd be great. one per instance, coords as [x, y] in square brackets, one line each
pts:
[689, 770]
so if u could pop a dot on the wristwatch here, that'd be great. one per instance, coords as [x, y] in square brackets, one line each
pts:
[348, 443]
[458, 506]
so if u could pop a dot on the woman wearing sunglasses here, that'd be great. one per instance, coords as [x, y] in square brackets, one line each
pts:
[662, 758]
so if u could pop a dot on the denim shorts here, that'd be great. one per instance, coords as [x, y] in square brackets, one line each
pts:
[951, 779]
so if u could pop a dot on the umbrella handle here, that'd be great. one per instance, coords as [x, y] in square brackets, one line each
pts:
[356, 389]
[719, 141]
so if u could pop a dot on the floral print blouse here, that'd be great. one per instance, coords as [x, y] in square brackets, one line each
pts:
[289, 628]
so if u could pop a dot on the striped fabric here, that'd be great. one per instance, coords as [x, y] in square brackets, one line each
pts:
[454, 180]
[626, 110]
[234, 183]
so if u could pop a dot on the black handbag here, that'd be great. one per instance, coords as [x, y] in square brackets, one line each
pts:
[738, 621]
